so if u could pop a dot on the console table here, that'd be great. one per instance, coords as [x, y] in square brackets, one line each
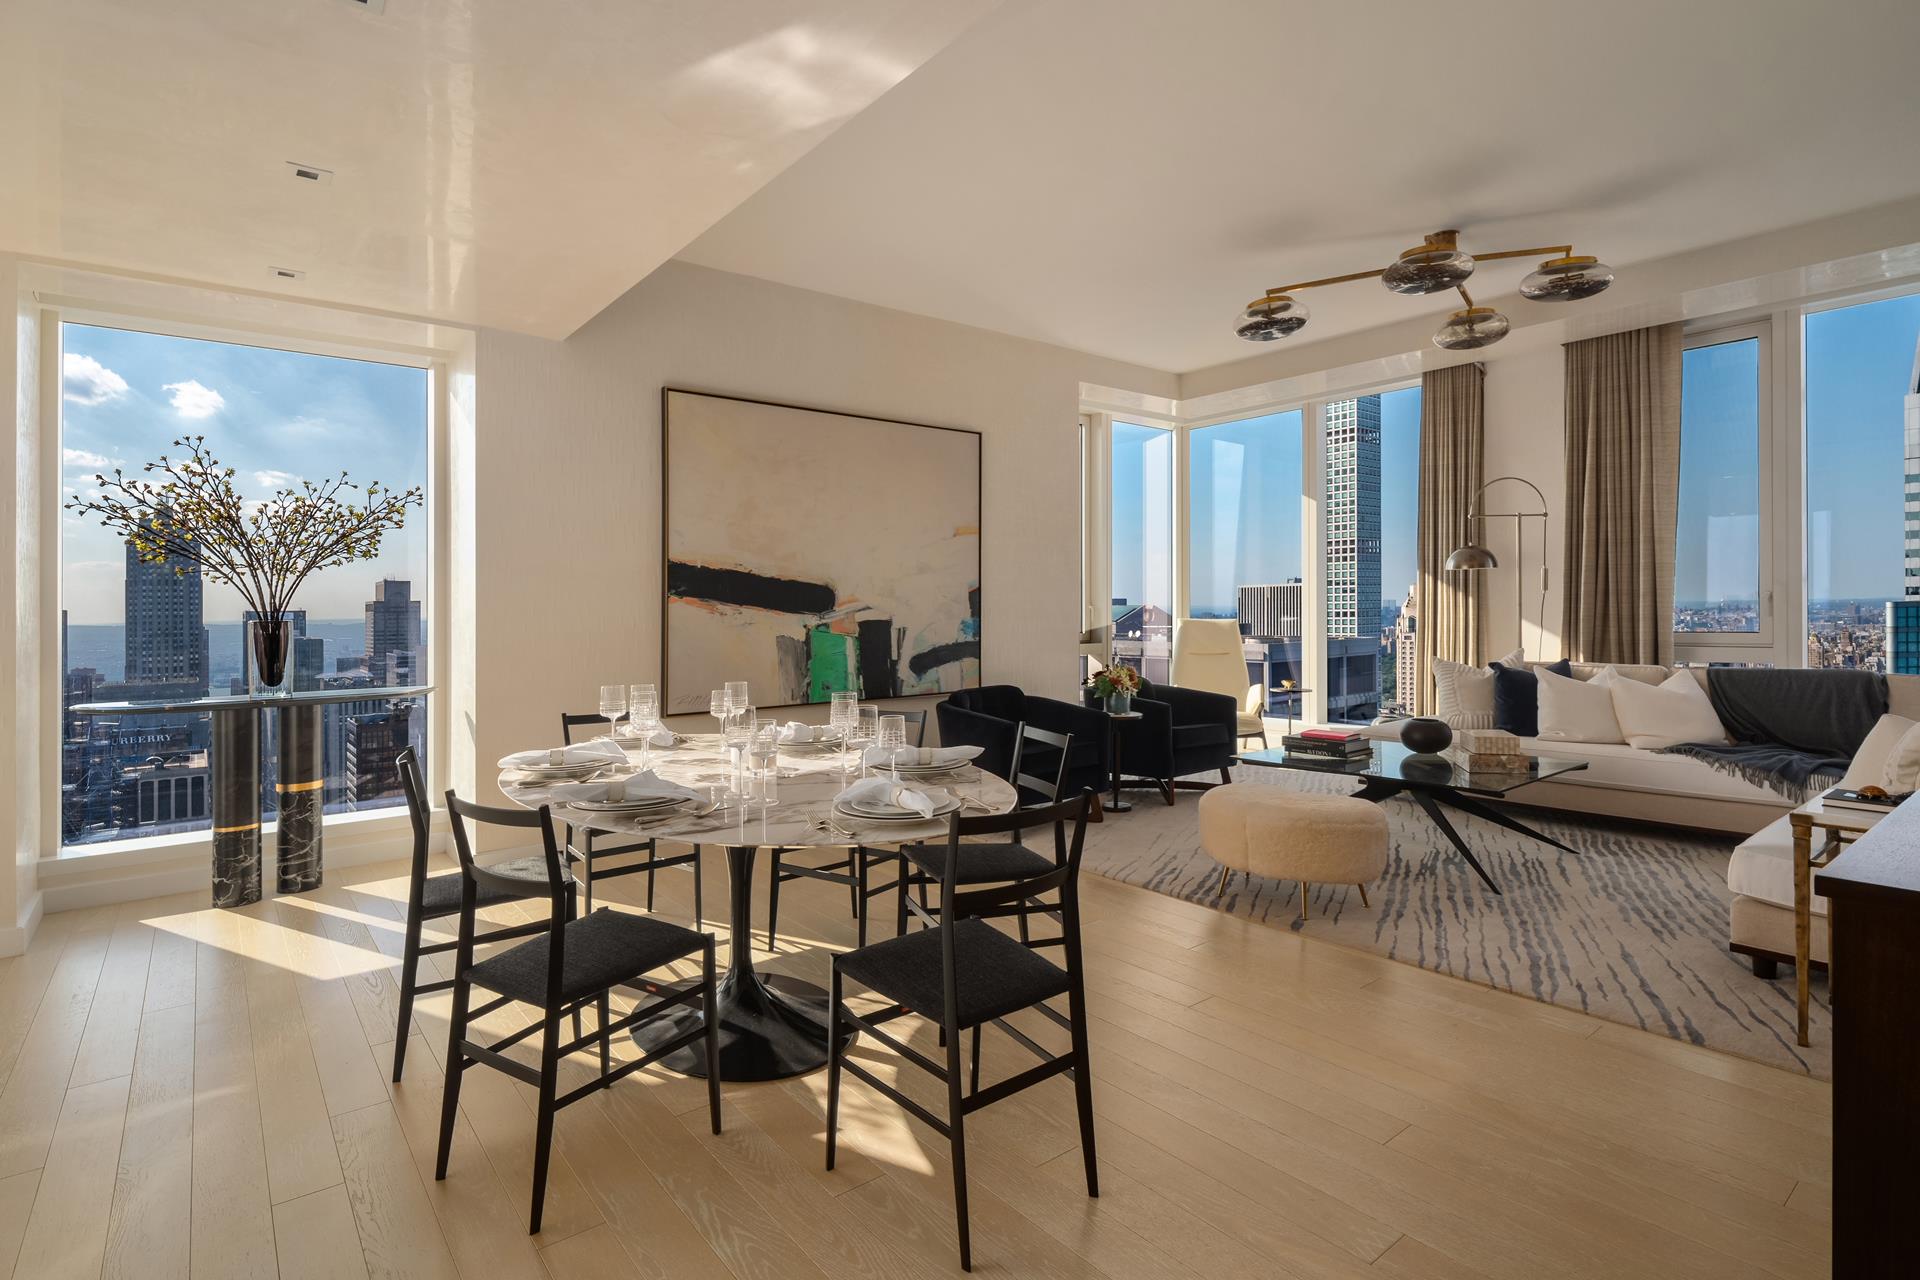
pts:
[234, 766]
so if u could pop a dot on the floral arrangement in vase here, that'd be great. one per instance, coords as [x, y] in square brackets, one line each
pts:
[1116, 686]
[189, 515]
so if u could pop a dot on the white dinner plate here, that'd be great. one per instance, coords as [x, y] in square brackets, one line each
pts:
[892, 813]
[649, 804]
[562, 772]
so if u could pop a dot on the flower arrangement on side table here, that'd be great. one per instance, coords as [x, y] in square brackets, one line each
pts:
[190, 516]
[1116, 686]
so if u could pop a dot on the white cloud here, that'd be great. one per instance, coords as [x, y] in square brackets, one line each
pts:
[191, 400]
[88, 459]
[85, 380]
[276, 480]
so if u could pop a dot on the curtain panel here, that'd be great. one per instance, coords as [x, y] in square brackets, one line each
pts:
[1623, 480]
[1447, 606]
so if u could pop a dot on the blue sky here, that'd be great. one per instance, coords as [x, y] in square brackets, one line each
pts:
[1246, 504]
[274, 416]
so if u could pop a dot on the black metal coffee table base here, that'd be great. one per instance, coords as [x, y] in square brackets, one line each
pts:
[771, 1026]
[1430, 798]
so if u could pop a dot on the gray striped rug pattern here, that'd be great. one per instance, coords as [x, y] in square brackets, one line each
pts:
[1633, 928]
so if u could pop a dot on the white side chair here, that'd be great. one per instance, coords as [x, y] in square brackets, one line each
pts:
[1207, 655]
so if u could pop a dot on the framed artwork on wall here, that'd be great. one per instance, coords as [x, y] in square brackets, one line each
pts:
[809, 552]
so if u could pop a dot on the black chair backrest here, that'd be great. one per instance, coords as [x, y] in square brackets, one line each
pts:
[916, 725]
[1009, 898]
[415, 786]
[1048, 787]
[474, 877]
[569, 721]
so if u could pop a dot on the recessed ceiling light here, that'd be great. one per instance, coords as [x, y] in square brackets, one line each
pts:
[311, 173]
[287, 273]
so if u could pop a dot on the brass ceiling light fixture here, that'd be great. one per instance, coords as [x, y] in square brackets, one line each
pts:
[1435, 265]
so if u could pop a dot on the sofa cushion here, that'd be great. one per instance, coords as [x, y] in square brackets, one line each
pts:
[1516, 696]
[1463, 694]
[1577, 710]
[1870, 767]
[1202, 735]
[1665, 715]
[1762, 866]
[1902, 770]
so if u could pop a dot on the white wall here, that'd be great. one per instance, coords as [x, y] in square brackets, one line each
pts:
[567, 458]
[24, 624]
[1526, 437]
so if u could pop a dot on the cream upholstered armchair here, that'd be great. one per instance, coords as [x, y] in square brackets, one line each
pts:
[1207, 655]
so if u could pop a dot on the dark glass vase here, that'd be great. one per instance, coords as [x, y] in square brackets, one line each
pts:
[271, 640]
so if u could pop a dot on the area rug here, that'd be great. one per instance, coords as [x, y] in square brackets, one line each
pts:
[1632, 928]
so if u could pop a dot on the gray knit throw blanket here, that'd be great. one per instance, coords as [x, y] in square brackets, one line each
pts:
[1794, 732]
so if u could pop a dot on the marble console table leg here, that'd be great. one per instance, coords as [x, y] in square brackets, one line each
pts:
[235, 766]
[299, 792]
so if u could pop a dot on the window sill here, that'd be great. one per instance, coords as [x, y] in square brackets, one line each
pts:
[352, 828]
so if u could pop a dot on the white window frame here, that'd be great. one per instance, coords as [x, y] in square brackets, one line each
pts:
[54, 314]
[1777, 473]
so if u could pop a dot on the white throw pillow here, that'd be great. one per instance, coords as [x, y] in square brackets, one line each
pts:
[1667, 714]
[1870, 767]
[1902, 772]
[1463, 695]
[1578, 710]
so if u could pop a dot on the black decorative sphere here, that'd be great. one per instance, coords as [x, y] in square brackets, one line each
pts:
[1426, 735]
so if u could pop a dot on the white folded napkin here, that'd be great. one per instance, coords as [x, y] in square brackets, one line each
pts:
[885, 791]
[660, 737]
[921, 755]
[600, 749]
[639, 786]
[794, 731]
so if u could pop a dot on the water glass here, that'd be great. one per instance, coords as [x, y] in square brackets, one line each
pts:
[737, 696]
[613, 704]
[866, 732]
[764, 752]
[643, 715]
[893, 737]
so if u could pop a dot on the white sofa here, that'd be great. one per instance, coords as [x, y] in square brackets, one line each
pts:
[1628, 782]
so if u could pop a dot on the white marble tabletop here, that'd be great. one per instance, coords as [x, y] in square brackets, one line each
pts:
[802, 817]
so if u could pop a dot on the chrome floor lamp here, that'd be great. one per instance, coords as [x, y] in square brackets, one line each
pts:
[1471, 556]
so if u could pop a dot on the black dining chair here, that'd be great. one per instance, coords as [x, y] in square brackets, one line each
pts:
[965, 973]
[585, 845]
[577, 963]
[431, 897]
[992, 862]
[852, 870]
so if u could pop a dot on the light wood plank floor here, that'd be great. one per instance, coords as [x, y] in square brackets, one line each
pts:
[197, 1092]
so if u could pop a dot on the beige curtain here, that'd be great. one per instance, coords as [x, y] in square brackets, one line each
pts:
[1446, 606]
[1623, 476]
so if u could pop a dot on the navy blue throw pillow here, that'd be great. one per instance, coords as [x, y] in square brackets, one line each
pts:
[1516, 698]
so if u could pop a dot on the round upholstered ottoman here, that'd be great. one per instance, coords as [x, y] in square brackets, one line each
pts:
[1293, 835]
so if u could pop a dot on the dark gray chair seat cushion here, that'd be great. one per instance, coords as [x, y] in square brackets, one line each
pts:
[602, 950]
[440, 895]
[995, 975]
[981, 863]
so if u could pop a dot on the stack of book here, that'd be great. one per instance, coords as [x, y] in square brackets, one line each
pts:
[1336, 745]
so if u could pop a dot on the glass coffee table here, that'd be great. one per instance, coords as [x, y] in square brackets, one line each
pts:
[1431, 781]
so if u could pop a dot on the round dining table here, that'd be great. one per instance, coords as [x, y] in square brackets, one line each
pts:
[772, 1026]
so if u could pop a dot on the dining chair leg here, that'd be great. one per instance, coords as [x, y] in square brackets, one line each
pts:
[957, 1136]
[699, 908]
[543, 1123]
[409, 980]
[773, 900]
[973, 1073]
[606, 1041]
[649, 889]
[456, 1067]
[709, 1005]
[586, 870]
[860, 892]
[833, 1067]
[900, 905]
[1083, 1082]
[573, 913]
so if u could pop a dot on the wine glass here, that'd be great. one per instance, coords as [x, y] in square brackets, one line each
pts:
[737, 696]
[764, 752]
[866, 731]
[643, 714]
[893, 738]
[738, 732]
[613, 704]
[718, 706]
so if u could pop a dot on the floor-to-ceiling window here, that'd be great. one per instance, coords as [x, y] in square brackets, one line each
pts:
[1371, 460]
[1142, 547]
[1716, 591]
[133, 631]
[1862, 378]
[1244, 535]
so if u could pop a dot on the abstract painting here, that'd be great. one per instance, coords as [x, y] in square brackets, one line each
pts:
[810, 552]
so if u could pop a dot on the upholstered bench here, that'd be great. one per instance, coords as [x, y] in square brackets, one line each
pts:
[1293, 835]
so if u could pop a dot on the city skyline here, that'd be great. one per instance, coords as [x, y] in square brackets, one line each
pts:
[274, 416]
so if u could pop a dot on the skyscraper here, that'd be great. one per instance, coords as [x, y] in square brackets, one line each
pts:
[1353, 517]
[166, 635]
[1271, 611]
[1405, 655]
[393, 626]
[1903, 616]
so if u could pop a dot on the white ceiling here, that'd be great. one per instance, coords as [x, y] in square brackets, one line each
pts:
[1122, 176]
[516, 163]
